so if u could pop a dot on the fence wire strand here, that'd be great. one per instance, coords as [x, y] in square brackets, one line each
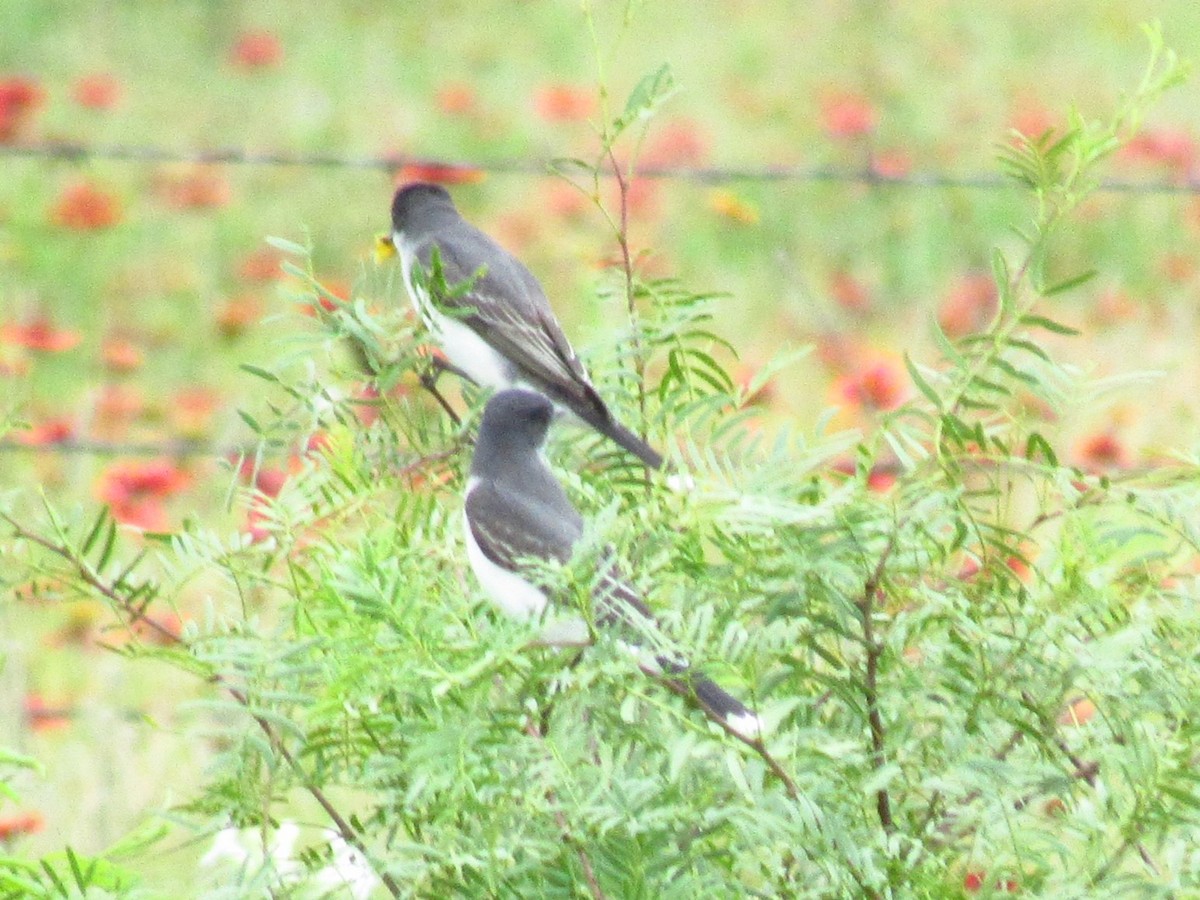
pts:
[864, 175]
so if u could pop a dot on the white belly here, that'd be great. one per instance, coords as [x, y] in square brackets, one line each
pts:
[462, 346]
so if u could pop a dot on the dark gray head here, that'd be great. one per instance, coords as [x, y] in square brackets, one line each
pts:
[514, 428]
[419, 206]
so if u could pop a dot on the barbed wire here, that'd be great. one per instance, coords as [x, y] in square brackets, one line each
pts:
[865, 175]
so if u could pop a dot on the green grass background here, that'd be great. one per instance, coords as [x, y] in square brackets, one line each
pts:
[362, 80]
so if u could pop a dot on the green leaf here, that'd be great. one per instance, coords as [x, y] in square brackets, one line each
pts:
[922, 385]
[646, 96]
[1035, 321]
[287, 246]
[1068, 283]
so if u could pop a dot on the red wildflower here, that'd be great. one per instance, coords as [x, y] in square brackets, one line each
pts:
[875, 386]
[969, 305]
[1176, 150]
[439, 173]
[192, 410]
[1079, 712]
[973, 882]
[1101, 452]
[564, 200]
[40, 716]
[98, 91]
[881, 479]
[134, 491]
[195, 187]
[235, 316]
[256, 50]
[84, 207]
[456, 98]
[21, 824]
[847, 115]
[270, 481]
[121, 355]
[118, 405]
[564, 103]
[18, 98]
[891, 164]
[676, 144]
[261, 265]
[849, 292]
[39, 335]
[50, 431]
[1031, 119]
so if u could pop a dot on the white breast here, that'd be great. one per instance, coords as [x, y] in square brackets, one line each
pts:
[464, 348]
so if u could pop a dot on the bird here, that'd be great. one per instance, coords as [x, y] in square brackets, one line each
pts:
[493, 320]
[517, 518]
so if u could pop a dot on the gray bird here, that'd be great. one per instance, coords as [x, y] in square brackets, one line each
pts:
[500, 330]
[516, 514]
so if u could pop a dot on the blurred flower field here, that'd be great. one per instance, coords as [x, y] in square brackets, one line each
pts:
[134, 290]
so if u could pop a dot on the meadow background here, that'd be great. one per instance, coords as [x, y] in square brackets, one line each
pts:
[132, 291]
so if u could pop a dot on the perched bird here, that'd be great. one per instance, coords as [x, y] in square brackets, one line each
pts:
[498, 328]
[517, 515]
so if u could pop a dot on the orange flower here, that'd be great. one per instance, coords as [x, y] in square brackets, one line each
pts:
[39, 335]
[456, 98]
[729, 205]
[1080, 712]
[196, 187]
[98, 91]
[256, 50]
[261, 265]
[40, 716]
[891, 164]
[84, 207]
[23, 823]
[875, 386]
[849, 292]
[50, 431]
[18, 98]
[969, 306]
[563, 200]
[1101, 452]
[1031, 119]
[118, 405]
[677, 143]
[847, 115]
[439, 173]
[192, 411]
[1176, 150]
[235, 316]
[121, 355]
[134, 491]
[564, 103]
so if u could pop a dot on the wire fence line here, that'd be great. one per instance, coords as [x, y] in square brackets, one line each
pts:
[864, 175]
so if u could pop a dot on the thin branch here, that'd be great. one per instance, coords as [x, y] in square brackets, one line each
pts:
[675, 686]
[137, 613]
[871, 590]
[564, 827]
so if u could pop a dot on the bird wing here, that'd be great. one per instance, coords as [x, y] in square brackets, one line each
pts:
[506, 306]
[511, 529]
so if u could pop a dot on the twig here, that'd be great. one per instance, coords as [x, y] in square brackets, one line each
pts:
[564, 827]
[871, 589]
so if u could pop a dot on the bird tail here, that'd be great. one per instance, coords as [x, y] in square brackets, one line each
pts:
[717, 703]
[626, 439]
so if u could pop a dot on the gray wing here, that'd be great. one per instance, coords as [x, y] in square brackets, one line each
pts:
[508, 308]
[512, 529]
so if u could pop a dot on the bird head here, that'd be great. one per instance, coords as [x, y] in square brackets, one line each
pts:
[415, 205]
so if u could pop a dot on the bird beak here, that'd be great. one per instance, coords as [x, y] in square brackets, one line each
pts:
[385, 248]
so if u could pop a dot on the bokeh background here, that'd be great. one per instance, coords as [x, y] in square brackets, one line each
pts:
[133, 289]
